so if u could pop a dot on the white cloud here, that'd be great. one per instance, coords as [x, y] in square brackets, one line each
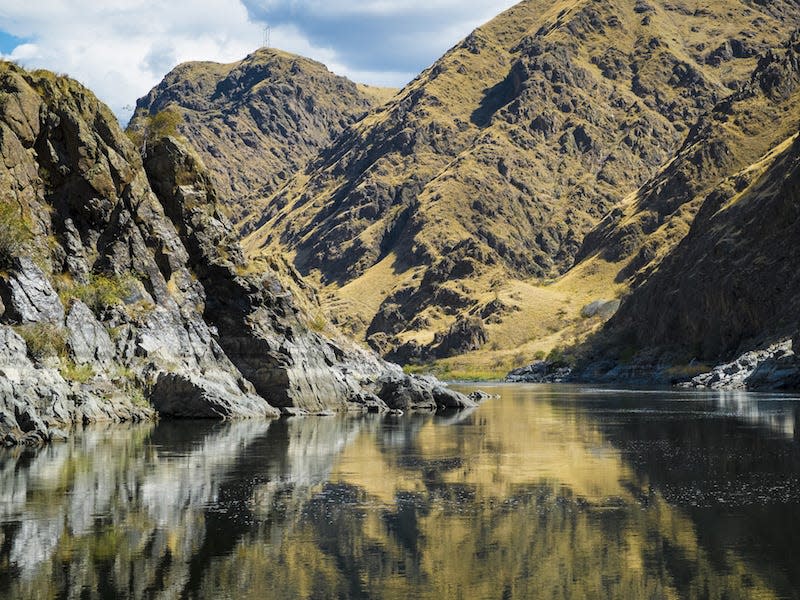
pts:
[122, 48]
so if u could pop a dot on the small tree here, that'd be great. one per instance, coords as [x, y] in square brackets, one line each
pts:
[162, 124]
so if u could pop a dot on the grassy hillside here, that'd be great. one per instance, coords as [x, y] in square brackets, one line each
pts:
[437, 223]
[258, 121]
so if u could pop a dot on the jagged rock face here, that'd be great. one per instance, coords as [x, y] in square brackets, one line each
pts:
[501, 157]
[734, 134]
[256, 122]
[731, 284]
[160, 306]
[89, 341]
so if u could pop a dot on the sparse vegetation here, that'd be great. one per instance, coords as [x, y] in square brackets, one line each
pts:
[77, 373]
[318, 323]
[153, 127]
[15, 233]
[99, 293]
[44, 340]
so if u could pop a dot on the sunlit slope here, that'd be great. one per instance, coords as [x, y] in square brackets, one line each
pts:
[258, 121]
[494, 164]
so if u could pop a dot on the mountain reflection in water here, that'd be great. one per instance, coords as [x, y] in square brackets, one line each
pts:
[547, 492]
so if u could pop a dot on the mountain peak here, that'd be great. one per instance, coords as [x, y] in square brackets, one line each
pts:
[257, 121]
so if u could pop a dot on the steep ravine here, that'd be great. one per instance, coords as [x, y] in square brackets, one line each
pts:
[124, 294]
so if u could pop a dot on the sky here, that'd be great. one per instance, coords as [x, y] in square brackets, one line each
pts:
[122, 48]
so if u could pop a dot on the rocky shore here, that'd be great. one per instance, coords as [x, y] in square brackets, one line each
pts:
[776, 367]
[125, 296]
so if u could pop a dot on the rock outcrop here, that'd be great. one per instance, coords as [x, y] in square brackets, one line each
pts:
[541, 371]
[124, 291]
[258, 121]
[774, 368]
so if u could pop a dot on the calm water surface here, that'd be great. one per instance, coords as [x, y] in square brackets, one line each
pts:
[547, 492]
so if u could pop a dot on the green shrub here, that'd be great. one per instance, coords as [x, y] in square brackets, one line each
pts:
[44, 340]
[15, 234]
[79, 373]
[101, 291]
[162, 124]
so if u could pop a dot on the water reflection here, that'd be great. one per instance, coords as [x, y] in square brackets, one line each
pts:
[548, 492]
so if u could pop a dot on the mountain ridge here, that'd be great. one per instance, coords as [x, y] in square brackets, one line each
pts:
[256, 121]
[432, 198]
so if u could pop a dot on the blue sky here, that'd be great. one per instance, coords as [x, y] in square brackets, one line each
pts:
[8, 42]
[121, 48]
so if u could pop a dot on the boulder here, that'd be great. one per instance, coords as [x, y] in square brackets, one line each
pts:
[189, 395]
[605, 309]
[29, 297]
[408, 392]
[88, 340]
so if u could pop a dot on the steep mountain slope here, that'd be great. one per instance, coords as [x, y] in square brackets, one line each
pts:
[425, 218]
[732, 283]
[707, 247]
[257, 121]
[123, 288]
[738, 132]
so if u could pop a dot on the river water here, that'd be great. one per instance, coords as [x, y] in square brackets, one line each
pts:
[546, 492]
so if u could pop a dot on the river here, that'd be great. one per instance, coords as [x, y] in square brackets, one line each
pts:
[544, 492]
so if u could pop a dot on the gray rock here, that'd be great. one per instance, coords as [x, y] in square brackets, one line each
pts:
[13, 351]
[541, 371]
[481, 396]
[88, 340]
[773, 368]
[408, 392]
[605, 309]
[29, 297]
[188, 395]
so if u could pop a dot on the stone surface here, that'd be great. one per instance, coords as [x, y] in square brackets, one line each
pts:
[29, 296]
[411, 393]
[88, 340]
[605, 309]
[194, 397]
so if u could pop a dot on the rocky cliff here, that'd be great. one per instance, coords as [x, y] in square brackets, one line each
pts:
[711, 241]
[493, 165]
[124, 292]
[256, 122]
